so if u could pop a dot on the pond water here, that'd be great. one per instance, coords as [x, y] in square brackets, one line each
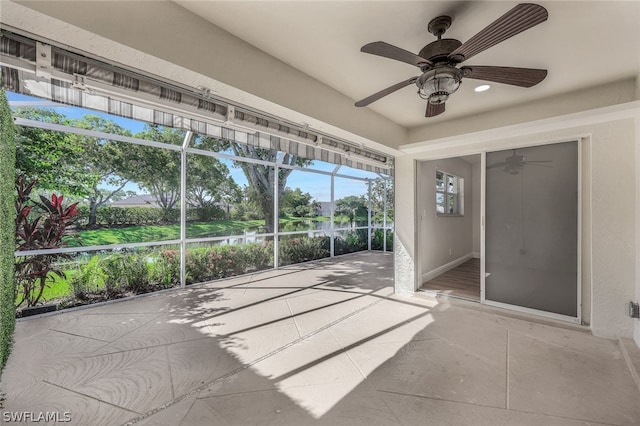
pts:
[250, 233]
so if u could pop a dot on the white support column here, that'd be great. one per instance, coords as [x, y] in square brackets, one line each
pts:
[183, 209]
[333, 201]
[369, 216]
[384, 217]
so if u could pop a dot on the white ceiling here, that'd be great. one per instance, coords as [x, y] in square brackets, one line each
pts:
[581, 44]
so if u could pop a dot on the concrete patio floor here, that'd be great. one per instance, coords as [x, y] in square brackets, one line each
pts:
[321, 343]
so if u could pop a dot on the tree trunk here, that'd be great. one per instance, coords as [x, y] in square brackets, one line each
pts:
[93, 215]
[266, 205]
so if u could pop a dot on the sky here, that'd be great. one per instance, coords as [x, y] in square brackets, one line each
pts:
[319, 186]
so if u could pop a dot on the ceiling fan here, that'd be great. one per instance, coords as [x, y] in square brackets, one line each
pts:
[438, 60]
[514, 163]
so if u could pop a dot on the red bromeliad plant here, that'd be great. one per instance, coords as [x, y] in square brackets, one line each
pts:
[39, 226]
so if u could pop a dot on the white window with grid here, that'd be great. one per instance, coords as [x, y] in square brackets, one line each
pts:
[449, 190]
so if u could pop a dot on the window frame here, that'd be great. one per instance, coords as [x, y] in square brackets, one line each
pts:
[457, 194]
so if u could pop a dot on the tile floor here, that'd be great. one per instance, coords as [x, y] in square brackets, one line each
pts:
[321, 343]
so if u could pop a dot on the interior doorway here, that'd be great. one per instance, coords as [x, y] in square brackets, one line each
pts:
[449, 199]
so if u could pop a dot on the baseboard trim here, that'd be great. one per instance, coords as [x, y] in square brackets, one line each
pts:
[476, 255]
[444, 268]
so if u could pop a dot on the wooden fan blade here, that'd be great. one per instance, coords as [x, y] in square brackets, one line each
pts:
[433, 110]
[523, 77]
[390, 51]
[520, 18]
[366, 101]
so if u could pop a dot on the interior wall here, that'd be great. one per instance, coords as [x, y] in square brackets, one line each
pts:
[609, 212]
[443, 239]
[637, 180]
[476, 197]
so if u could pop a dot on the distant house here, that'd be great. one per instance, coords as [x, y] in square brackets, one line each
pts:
[144, 200]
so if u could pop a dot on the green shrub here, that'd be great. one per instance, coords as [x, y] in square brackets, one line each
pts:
[7, 228]
[304, 249]
[126, 272]
[87, 279]
[351, 242]
[164, 269]
[378, 237]
[128, 216]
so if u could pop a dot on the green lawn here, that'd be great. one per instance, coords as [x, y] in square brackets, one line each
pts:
[147, 233]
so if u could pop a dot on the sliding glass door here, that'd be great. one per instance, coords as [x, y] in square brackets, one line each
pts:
[531, 228]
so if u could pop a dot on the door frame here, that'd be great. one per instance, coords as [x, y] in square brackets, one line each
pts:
[483, 189]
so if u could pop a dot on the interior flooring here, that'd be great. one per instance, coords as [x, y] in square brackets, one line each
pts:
[462, 281]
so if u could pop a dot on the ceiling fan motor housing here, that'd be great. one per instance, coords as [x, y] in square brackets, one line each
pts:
[438, 51]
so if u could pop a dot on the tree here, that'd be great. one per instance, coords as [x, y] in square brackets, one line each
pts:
[352, 206]
[209, 182]
[378, 198]
[294, 202]
[262, 178]
[54, 158]
[156, 169]
[104, 162]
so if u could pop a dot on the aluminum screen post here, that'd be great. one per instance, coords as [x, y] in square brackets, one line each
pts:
[183, 209]
[369, 216]
[332, 244]
[384, 217]
[276, 208]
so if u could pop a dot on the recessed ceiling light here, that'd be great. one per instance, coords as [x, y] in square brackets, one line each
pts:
[482, 88]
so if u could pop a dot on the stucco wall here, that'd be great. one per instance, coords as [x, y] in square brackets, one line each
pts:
[404, 223]
[442, 239]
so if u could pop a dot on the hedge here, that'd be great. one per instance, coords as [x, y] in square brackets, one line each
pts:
[7, 228]
[132, 216]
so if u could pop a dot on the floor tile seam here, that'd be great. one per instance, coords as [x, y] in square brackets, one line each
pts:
[507, 366]
[187, 411]
[557, 345]
[79, 335]
[118, 313]
[203, 398]
[130, 331]
[278, 323]
[91, 397]
[173, 389]
[630, 365]
[248, 365]
[293, 317]
[494, 407]
[555, 416]
[435, 398]
[452, 343]
[94, 355]
[364, 376]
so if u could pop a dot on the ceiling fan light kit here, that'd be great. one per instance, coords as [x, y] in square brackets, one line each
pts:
[438, 61]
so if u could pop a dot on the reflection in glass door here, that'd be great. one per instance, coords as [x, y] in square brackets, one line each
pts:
[531, 234]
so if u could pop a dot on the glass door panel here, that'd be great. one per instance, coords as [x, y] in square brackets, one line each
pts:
[531, 233]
